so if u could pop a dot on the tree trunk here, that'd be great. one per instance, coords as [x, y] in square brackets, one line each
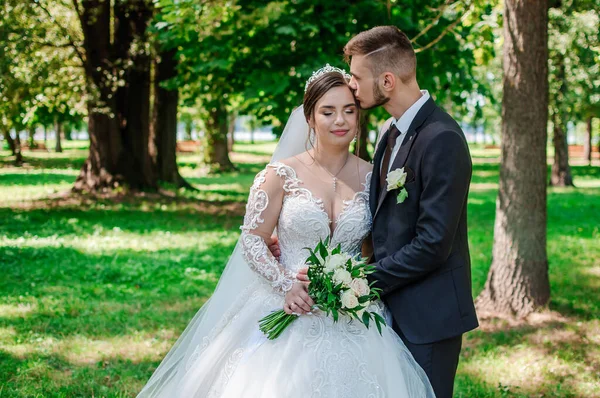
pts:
[587, 142]
[361, 144]
[216, 153]
[11, 142]
[58, 129]
[561, 171]
[188, 130]
[46, 136]
[18, 153]
[119, 118]
[164, 121]
[517, 282]
[31, 138]
[231, 131]
[68, 132]
[560, 174]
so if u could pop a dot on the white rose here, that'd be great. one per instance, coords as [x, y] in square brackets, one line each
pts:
[396, 179]
[336, 261]
[360, 287]
[349, 299]
[342, 276]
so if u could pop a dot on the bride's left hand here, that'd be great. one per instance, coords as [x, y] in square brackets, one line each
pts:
[297, 300]
[303, 275]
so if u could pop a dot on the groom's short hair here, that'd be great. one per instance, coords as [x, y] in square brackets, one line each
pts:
[387, 49]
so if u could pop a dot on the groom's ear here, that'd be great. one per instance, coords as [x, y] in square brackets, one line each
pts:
[388, 80]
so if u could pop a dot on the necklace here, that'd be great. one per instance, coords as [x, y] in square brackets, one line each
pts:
[333, 176]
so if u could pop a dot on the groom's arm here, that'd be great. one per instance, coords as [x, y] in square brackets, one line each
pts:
[445, 174]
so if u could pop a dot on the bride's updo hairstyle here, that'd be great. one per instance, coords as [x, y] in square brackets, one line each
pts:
[317, 88]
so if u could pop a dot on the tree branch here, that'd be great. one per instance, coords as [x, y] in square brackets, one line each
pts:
[432, 23]
[62, 29]
[445, 31]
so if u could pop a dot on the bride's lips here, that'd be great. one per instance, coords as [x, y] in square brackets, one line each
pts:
[340, 133]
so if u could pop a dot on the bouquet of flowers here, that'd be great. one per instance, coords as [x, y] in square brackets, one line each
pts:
[338, 286]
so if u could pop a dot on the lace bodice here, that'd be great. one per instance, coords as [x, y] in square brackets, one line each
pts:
[301, 221]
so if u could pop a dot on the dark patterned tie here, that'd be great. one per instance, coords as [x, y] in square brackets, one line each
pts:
[391, 142]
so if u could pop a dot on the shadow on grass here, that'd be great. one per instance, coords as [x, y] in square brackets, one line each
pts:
[69, 293]
[50, 375]
[24, 179]
[67, 160]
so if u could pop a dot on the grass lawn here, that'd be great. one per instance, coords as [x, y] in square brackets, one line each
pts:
[94, 292]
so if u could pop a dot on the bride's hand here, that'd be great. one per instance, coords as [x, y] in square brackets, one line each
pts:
[297, 300]
[303, 275]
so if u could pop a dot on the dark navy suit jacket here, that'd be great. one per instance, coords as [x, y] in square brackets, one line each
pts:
[421, 252]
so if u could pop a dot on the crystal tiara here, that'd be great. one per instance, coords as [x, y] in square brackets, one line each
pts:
[326, 69]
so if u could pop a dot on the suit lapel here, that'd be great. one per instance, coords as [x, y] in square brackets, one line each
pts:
[374, 191]
[407, 144]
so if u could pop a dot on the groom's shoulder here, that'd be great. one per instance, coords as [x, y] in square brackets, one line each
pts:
[440, 122]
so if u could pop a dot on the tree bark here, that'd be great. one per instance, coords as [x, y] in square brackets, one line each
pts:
[119, 118]
[58, 128]
[360, 146]
[216, 153]
[164, 121]
[517, 282]
[45, 135]
[587, 143]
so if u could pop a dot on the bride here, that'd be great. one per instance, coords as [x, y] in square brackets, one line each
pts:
[313, 188]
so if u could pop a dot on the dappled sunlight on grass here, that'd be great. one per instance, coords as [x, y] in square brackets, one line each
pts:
[549, 356]
[96, 289]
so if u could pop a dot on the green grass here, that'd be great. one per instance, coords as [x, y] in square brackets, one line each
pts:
[94, 292]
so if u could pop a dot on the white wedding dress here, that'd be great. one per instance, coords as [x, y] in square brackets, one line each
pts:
[313, 357]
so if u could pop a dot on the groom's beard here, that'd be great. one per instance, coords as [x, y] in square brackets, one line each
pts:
[378, 98]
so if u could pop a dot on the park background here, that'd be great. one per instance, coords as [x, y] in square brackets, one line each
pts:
[131, 131]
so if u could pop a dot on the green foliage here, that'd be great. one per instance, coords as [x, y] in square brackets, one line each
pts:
[257, 55]
[41, 76]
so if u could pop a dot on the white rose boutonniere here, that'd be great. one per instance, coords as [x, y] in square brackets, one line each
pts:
[395, 180]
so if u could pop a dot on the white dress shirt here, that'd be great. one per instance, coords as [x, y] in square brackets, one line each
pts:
[403, 124]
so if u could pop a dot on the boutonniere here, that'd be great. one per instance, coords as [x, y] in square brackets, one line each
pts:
[396, 180]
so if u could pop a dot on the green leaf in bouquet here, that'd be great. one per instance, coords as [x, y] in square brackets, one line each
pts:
[377, 322]
[364, 299]
[335, 315]
[366, 318]
[337, 250]
[326, 243]
[322, 251]
[379, 317]
[330, 298]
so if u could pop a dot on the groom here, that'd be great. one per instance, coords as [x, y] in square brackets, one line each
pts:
[420, 245]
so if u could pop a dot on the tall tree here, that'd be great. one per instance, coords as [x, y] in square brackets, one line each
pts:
[164, 120]
[117, 67]
[587, 142]
[518, 282]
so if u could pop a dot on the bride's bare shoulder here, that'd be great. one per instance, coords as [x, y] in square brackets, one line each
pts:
[297, 160]
[364, 167]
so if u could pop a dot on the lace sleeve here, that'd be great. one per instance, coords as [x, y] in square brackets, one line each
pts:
[262, 212]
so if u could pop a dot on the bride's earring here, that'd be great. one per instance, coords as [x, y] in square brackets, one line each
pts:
[311, 136]
[355, 137]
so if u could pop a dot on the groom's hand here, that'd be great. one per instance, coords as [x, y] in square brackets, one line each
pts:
[274, 247]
